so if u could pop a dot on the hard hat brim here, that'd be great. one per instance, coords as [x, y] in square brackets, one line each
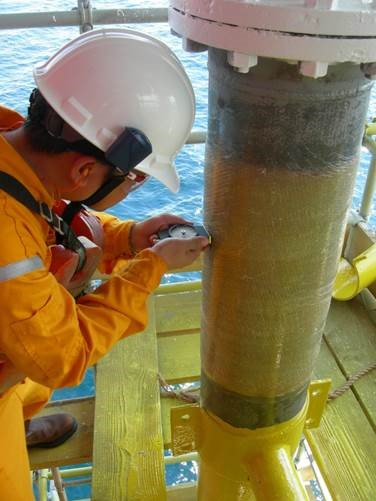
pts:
[164, 172]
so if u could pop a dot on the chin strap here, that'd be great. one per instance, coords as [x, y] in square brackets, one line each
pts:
[104, 190]
[64, 233]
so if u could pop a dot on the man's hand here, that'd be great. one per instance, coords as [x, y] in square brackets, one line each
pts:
[177, 252]
[144, 233]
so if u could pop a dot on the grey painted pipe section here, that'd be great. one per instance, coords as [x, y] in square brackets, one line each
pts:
[281, 159]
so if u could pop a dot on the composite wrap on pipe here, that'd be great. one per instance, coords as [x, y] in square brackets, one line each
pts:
[281, 159]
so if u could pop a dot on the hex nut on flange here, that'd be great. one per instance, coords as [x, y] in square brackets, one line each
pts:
[241, 62]
[313, 69]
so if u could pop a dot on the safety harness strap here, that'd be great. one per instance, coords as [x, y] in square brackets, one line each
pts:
[70, 211]
[18, 191]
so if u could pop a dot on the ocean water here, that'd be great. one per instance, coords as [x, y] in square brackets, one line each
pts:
[21, 49]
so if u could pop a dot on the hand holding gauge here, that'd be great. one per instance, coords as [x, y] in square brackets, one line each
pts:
[179, 245]
[183, 231]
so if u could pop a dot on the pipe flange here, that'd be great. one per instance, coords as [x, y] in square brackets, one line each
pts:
[350, 18]
[315, 34]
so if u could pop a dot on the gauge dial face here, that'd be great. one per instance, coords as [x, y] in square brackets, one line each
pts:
[182, 231]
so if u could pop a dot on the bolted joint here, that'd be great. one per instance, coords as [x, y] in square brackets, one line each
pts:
[369, 70]
[192, 46]
[313, 69]
[175, 33]
[241, 62]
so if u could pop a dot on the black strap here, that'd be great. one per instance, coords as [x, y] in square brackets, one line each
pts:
[104, 190]
[70, 211]
[68, 237]
[18, 191]
[68, 214]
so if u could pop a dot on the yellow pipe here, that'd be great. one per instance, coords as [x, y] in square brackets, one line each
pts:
[173, 288]
[369, 190]
[273, 475]
[370, 129]
[243, 464]
[74, 472]
[369, 144]
[42, 484]
[355, 276]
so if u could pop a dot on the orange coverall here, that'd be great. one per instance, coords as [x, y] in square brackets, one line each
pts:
[47, 339]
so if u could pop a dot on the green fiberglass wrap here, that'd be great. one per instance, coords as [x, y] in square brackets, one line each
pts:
[281, 160]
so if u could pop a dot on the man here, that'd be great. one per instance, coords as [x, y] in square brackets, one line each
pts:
[111, 108]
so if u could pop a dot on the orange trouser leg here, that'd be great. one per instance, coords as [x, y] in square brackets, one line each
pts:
[15, 481]
[17, 405]
[34, 397]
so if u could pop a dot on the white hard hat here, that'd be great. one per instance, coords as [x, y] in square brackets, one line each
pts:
[107, 80]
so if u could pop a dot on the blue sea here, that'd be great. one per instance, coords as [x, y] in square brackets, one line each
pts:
[21, 49]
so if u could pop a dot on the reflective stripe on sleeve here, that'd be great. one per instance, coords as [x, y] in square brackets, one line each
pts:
[18, 268]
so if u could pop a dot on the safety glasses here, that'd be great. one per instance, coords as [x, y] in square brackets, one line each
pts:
[138, 179]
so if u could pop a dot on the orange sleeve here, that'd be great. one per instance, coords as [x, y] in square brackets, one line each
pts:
[116, 250]
[9, 119]
[53, 340]
[43, 331]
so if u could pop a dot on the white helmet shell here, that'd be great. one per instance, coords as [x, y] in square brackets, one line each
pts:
[106, 80]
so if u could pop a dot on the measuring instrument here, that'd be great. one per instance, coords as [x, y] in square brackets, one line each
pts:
[184, 231]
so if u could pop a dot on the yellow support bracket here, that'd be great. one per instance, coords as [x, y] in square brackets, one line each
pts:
[186, 421]
[258, 462]
[185, 427]
[234, 460]
[318, 392]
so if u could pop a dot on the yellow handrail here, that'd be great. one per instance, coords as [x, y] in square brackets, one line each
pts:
[355, 276]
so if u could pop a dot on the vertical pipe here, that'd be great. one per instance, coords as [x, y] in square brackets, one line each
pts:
[42, 484]
[369, 190]
[281, 159]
